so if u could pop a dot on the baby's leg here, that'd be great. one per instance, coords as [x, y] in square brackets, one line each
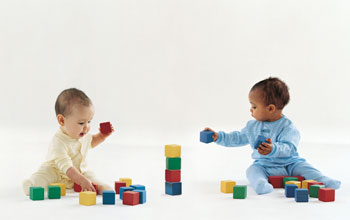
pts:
[309, 172]
[43, 177]
[101, 185]
[257, 177]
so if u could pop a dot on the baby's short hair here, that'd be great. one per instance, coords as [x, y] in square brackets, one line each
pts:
[274, 91]
[68, 98]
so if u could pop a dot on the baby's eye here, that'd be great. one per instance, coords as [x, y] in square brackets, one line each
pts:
[89, 122]
[81, 123]
[254, 107]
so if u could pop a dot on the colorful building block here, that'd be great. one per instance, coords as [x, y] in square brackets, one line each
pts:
[128, 181]
[138, 186]
[142, 195]
[131, 198]
[297, 183]
[62, 186]
[290, 190]
[173, 163]
[77, 187]
[172, 176]
[87, 198]
[313, 191]
[289, 178]
[304, 183]
[206, 136]
[300, 178]
[172, 150]
[173, 188]
[313, 183]
[326, 195]
[117, 185]
[240, 192]
[301, 195]
[124, 189]
[108, 197]
[226, 186]
[36, 193]
[276, 181]
[259, 141]
[105, 127]
[54, 192]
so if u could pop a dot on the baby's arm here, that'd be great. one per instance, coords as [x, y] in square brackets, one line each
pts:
[78, 178]
[100, 137]
[233, 139]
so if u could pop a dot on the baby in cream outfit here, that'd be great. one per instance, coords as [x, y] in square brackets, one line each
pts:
[65, 161]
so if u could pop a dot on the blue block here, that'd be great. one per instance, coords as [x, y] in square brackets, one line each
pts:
[123, 189]
[301, 195]
[108, 197]
[142, 195]
[138, 186]
[259, 141]
[206, 136]
[290, 190]
[173, 188]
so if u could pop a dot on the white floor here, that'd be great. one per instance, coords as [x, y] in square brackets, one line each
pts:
[203, 167]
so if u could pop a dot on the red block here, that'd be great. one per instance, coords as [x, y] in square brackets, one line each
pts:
[77, 188]
[105, 127]
[313, 183]
[95, 186]
[173, 176]
[117, 185]
[300, 178]
[326, 194]
[131, 198]
[276, 181]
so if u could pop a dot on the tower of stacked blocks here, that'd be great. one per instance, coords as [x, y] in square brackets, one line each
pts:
[173, 184]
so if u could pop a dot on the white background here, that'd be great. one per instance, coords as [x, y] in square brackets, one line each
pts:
[162, 70]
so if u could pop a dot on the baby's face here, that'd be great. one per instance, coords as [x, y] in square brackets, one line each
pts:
[77, 124]
[258, 108]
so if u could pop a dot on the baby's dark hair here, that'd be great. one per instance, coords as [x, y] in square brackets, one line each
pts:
[69, 97]
[274, 91]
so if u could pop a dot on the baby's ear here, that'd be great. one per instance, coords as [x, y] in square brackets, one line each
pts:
[271, 108]
[60, 119]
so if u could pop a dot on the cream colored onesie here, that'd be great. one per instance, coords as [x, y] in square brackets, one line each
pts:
[64, 152]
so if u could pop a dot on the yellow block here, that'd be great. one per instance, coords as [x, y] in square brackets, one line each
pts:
[172, 150]
[62, 186]
[227, 186]
[298, 183]
[128, 181]
[304, 183]
[87, 198]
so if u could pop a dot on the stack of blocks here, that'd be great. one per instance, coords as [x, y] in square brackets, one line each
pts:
[173, 184]
[279, 181]
[130, 194]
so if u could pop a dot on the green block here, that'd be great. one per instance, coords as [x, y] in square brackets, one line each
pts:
[239, 192]
[173, 163]
[314, 190]
[54, 192]
[36, 193]
[286, 179]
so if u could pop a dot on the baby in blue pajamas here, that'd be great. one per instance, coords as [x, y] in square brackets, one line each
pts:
[279, 155]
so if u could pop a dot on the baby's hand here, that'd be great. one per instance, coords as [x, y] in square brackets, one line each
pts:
[87, 186]
[215, 135]
[265, 148]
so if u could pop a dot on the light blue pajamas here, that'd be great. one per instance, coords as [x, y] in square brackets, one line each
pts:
[283, 159]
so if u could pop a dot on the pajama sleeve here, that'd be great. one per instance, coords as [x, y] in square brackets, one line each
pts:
[233, 139]
[58, 153]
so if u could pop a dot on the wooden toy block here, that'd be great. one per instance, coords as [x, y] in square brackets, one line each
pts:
[259, 141]
[226, 186]
[289, 178]
[313, 183]
[105, 127]
[117, 185]
[206, 136]
[131, 198]
[36, 193]
[276, 181]
[301, 195]
[77, 187]
[138, 187]
[142, 195]
[240, 192]
[172, 150]
[300, 178]
[173, 163]
[128, 181]
[54, 192]
[108, 197]
[124, 189]
[290, 190]
[172, 176]
[62, 186]
[173, 188]
[313, 191]
[326, 195]
[304, 183]
[297, 183]
[87, 198]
